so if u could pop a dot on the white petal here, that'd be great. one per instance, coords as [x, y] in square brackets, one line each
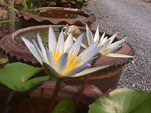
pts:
[76, 46]
[117, 43]
[112, 38]
[51, 60]
[118, 55]
[84, 46]
[102, 37]
[60, 44]
[42, 47]
[89, 36]
[38, 50]
[52, 39]
[104, 40]
[112, 50]
[104, 46]
[78, 69]
[90, 56]
[32, 49]
[90, 60]
[68, 42]
[97, 35]
[62, 64]
[115, 46]
[88, 51]
[90, 71]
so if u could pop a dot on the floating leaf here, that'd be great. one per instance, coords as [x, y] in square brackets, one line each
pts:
[17, 76]
[123, 101]
[65, 106]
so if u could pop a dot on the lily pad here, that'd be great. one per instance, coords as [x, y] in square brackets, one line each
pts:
[17, 76]
[123, 101]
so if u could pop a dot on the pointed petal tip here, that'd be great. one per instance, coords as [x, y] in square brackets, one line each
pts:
[24, 39]
[119, 55]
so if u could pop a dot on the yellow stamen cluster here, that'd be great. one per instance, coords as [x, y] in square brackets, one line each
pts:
[57, 56]
[72, 61]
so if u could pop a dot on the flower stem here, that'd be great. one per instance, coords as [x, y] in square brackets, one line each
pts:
[85, 82]
[10, 97]
[55, 93]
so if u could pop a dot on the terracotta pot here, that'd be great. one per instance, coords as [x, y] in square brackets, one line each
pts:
[26, 17]
[104, 80]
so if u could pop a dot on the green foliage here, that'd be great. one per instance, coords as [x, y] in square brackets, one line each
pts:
[3, 61]
[6, 21]
[123, 101]
[40, 2]
[28, 4]
[13, 8]
[65, 106]
[17, 76]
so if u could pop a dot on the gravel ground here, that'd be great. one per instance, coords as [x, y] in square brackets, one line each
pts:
[130, 19]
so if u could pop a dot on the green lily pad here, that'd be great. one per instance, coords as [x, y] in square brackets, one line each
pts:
[17, 76]
[65, 106]
[123, 101]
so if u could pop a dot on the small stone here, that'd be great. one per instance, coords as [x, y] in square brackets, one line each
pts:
[134, 85]
[133, 62]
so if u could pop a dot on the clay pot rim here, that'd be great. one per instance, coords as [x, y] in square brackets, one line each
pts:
[90, 18]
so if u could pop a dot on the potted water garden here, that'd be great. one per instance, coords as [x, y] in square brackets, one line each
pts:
[14, 47]
[41, 12]
[66, 69]
[54, 16]
[70, 52]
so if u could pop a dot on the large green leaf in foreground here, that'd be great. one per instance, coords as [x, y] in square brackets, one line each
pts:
[123, 101]
[17, 76]
[65, 106]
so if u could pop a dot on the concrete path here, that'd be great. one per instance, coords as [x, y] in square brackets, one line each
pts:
[131, 19]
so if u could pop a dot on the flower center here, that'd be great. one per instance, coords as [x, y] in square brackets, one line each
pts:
[57, 56]
[73, 63]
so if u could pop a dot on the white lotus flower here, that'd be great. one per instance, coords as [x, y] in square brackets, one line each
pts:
[62, 58]
[108, 48]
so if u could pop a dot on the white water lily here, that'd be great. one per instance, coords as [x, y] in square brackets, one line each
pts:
[62, 57]
[108, 48]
